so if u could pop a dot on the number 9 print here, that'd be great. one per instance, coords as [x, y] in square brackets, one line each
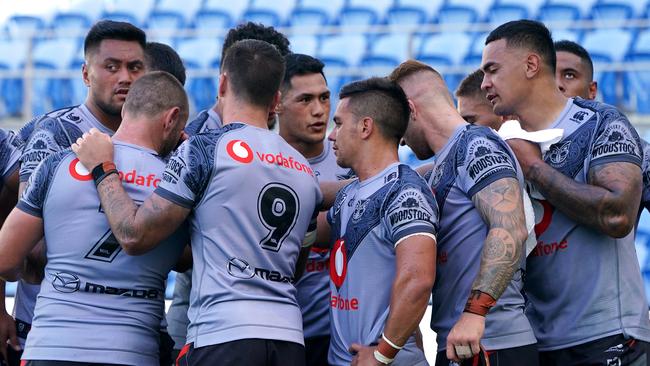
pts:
[277, 207]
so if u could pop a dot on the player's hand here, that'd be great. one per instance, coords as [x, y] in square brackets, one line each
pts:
[364, 356]
[93, 148]
[7, 332]
[527, 153]
[463, 341]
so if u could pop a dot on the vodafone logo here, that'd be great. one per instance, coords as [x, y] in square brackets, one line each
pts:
[544, 211]
[240, 151]
[338, 263]
[78, 171]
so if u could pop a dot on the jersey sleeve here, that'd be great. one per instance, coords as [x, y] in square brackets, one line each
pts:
[10, 150]
[47, 138]
[410, 210]
[615, 140]
[188, 171]
[485, 159]
[33, 198]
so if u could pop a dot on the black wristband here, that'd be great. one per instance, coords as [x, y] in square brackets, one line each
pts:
[103, 170]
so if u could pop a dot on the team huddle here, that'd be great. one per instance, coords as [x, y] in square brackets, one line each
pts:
[297, 249]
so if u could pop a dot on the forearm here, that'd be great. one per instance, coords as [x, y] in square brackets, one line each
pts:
[607, 211]
[409, 300]
[500, 260]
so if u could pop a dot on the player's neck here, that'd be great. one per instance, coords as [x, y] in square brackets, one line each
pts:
[440, 127]
[542, 109]
[373, 160]
[109, 121]
[306, 149]
[137, 133]
[244, 113]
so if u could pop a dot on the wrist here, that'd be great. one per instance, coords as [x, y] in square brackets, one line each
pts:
[103, 170]
[479, 303]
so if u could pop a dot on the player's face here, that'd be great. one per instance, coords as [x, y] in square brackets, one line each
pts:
[109, 72]
[572, 76]
[504, 77]
[345, 135]
[305, 110]
[477, 110]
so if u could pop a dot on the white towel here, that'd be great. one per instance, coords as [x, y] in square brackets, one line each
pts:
[544, 138]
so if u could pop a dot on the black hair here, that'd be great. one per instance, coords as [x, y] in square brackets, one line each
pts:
[527, 33]
[161, 57]
[110, 29]
[578, 50]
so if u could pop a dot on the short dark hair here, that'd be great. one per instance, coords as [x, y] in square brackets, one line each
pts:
[471, 86]
[578, 50]
[161, 57]
[527, 33]
[255, 70]
[154, 93]
[260, 32]
[109, 29]
[381, 99]
[297, 64]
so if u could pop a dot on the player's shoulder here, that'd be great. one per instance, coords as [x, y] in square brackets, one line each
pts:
[405, 178]
[58, 122]
[585, 108]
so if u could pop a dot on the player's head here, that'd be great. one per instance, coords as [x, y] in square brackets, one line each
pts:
[258, 89]
[113, 59]
[519, 56]
[473, 106]
[259, 32]
[428, 97]
[370, 112]
[574, 70]
[158, 98]
[305, 105]
[161, 57]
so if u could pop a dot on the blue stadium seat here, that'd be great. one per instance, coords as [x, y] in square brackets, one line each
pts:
[200, 54]
[612, 43]
[24, 26]
[79, 89]
[331, 7]
[269, 13]
[53, 92]
[563, 34]
[641, 43]
[642, 242]
[637, 84]
[450, 46]
[71, 24]
[307, 20]
[164, 24]
[607, 80]
[306, 44]
[430, 7]
[613, 15]
[379, 7]
[208, 21]
[550, 13]
[186, 9]
[532, 6]
[13, 54]
[406, 18]
[480, 7]
[502, 13]
[456, 18]
[386, 52]
[475, 53]
[583, 6]
[123, 10]
[638, 6]
[233, 9]
[359, 19]
[342, 49]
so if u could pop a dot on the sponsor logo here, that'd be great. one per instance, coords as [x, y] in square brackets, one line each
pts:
[619, 140]
[614, 361]
[544, 211]
[241, 152]
[410, 207]
[338, 263]
[485, 161]
[617, 348]
[390, 177]
[39, 145]
[173, 170]
[317, 265]
[579, 116]
[78, 171]
[437, 173]
[359, 210]
[341, 303]
[241, 269]
[65, 282]
[542, 249]
[559, 152]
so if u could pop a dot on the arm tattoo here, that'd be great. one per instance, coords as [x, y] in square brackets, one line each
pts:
[119, 207]
[501, 207]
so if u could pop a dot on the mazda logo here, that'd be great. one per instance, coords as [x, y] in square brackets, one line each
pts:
[239, 268]
[65, 282]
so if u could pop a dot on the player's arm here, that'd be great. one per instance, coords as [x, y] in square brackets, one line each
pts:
[329, 190]
[185, 262]
[138, 229]
[611, 196]
[18, 236]
[500, 205]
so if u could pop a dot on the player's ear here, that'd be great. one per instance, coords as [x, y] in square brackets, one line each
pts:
[171, 118]
[366, 127]
[533, 64]
[414, 111]
[223, 84]
[84, 74]
[277, 102]
[593, 89]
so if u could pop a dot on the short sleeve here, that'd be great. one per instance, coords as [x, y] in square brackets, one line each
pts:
[188, 171]
[615, 140]
[410, 210]
[33, 198]
[485, 159]
[10, 150]
[47, 138]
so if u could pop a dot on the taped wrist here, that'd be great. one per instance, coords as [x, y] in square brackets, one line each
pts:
[103, 170]
[479, 303]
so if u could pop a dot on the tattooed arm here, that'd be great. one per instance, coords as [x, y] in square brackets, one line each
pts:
[611, 197]
[501, 207]
[138, 229]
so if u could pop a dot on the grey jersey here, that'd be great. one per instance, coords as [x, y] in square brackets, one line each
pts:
[253, 198]
[177, 320]
[583, 285]
[369, 219]
[46, 135]
[645, 170]
[96, 303]
[473, 158]
[206, 120]
[10, 149]
[314, 286]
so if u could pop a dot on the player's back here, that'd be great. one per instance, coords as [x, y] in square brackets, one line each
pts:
[96, 302]
[253, 198]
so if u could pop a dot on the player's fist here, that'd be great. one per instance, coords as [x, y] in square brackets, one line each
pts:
[93, 148]
[464, 339]
[363, 356]
[527, 153]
